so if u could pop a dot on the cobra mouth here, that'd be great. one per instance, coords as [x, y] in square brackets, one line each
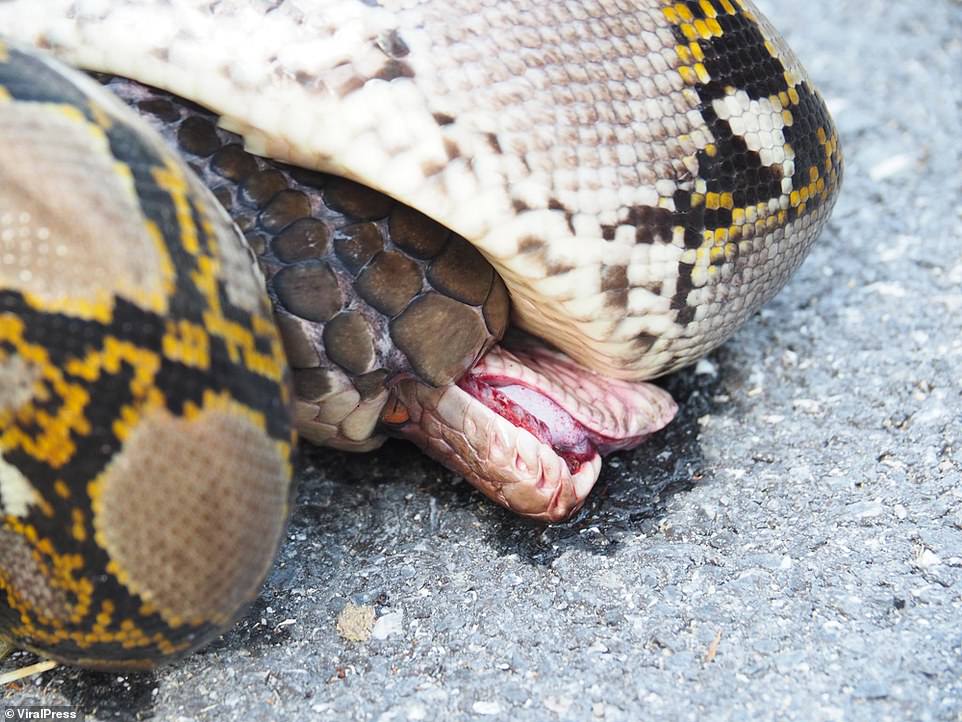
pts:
[528, 426]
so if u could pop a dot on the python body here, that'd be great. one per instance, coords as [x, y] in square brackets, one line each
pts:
[637, 177]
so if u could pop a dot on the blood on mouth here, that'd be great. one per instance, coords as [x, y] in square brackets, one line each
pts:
[528, 409]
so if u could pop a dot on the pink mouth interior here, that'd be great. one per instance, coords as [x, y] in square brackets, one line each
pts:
[529, 409]
[518, 414]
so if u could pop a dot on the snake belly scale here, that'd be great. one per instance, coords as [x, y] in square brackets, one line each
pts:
[628, 179]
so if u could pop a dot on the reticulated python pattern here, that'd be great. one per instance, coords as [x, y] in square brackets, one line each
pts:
[137, 355]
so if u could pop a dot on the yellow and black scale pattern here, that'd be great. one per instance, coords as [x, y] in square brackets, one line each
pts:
[145, 420]
[752, 92]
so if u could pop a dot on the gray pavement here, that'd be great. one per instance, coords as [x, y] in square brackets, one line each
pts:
[790, 548]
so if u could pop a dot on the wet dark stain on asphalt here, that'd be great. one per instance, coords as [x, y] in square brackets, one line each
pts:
[354, 499]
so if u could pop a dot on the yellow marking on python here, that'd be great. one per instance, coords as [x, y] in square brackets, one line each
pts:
[746, 11]
[110, 358]
[45, 507]
[100, 116]
[100, 308]
[61, 573]
[145, 364]
[171, 179]
[708, 28]
[684, 13]
[718, 246]
[692, 56]
[129, 416]
[186, 343]
[166, 270]
[53, 445]
[799, 197]
[74, 115]
[78, 525]
[129, 639]
[241, 344]
[105, 616]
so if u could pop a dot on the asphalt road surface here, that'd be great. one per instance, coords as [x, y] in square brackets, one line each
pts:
[790, 548]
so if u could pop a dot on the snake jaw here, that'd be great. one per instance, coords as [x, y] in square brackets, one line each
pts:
[529, 428]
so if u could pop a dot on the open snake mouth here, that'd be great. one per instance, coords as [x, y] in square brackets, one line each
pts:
[528, 426]
[532, 410]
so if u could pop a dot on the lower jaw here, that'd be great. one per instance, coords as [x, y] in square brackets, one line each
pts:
[496, 402]
[507, 464]
[509, 453]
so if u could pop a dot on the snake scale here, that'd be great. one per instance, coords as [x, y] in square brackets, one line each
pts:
[481, 225]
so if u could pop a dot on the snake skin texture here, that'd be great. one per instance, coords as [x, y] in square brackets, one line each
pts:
[644, 174]
[641, 174]
[359, 283]
[145, 423]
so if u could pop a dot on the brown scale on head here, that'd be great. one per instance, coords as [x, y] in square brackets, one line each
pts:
[366, 291]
